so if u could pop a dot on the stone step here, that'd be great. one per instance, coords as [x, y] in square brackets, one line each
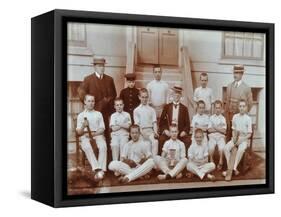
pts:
[149, 68]
[143, 83]
[166, 76]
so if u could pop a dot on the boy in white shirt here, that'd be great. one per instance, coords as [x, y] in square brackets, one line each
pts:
[120, 121]
[145, 117]
[158, 91]
[217, 130]
[96, 125]
[173, 158]
[204, 93]
[136, 158]
[200, 121]
[241, 132]
[198, 158]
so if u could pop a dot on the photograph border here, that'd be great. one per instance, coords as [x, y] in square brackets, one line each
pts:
[61, 17]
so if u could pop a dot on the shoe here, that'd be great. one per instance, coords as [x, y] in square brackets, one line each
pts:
[117, 173]
[161, 177]
[211, 177]
[219, 167]
[236, 172]
[179, 176]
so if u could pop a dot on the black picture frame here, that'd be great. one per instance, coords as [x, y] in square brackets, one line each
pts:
[49, 76]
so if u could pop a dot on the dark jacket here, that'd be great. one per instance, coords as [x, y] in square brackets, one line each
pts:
[103, 90]
[166, 118]
[130, 97]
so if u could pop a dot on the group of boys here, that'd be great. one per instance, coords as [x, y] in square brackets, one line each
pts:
[150, 130]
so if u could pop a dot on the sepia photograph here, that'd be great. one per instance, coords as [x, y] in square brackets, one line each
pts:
[154, 108]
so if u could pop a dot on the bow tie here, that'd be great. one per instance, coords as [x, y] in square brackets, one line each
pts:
[176, 105]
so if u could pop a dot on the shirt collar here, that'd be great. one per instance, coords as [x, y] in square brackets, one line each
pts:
[176, 103]
[98, 75]
[238, 83]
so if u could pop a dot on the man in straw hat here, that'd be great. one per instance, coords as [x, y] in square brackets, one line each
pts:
[174, 113]
[102, 87]
[236, 91]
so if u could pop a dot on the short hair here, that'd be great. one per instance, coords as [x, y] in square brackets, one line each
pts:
[201, 102]
[143, 90]
[203, 74]
[173, 125]
[218, 102]
[156, 66]
[243, 100]
[86, 95]
[118, 99]
[198, 130]
[135, 126]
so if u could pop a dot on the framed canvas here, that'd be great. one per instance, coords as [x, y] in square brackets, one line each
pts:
[134, 108]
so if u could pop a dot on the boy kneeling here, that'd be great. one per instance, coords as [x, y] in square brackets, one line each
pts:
[198, 157]
[173, 158]
[136, 158]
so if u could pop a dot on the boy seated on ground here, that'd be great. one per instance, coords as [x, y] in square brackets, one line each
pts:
[198, 157]
[173, 158]
[136, 158]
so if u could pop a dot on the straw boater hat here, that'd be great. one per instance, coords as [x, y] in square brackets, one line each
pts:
[177, 88]
[99, 61]
[238, 69]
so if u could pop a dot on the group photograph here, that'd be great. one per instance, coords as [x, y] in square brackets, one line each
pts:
[153, 108]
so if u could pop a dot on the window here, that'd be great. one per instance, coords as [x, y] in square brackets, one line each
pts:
[76, 34]
[243, 45]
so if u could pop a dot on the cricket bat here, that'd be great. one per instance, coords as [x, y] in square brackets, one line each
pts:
[92, 141]
[233, 153]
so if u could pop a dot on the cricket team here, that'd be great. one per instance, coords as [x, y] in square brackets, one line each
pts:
[149, 129]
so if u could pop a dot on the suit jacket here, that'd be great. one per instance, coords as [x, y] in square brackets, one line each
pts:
[166, 118]
[130, 97]
[103, 90]
[244, 92]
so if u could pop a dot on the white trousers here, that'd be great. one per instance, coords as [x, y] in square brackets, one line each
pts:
[216, 140]
[117, 143]
[163, 164]
[95, 163]
[131, 173]
[200, 170]
[158, 110]
[240, 151]
[148, 134]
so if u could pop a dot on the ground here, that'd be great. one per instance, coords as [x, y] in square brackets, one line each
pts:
[83, 182]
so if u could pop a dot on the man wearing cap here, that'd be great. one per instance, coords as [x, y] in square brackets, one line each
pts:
[102, 87]
[175, 113]
[130, 95]
[236, 91]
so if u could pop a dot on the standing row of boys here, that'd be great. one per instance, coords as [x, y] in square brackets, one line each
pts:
[160, 131]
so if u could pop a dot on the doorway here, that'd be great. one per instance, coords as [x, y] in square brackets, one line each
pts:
[157, 46]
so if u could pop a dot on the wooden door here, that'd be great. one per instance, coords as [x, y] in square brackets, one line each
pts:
[168, 46]
[147, 45]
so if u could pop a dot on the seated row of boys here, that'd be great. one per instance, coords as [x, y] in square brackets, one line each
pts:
[136, 158]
